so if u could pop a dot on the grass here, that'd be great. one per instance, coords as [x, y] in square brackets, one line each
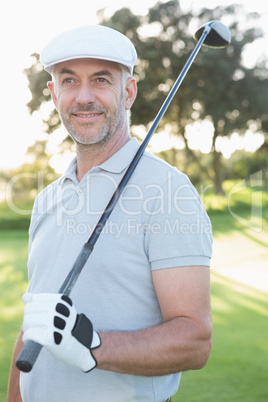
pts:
[13, 283]
[15, 216]
[236, 370]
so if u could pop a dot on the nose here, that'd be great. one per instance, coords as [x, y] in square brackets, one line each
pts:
[85, 94]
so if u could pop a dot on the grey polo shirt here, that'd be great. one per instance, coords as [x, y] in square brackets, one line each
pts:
[158, 223]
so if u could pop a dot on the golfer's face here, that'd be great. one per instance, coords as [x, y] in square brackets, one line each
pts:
[89, 97]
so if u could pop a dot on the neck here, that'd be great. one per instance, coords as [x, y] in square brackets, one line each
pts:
[89, 156]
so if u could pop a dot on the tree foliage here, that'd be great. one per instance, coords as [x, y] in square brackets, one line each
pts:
[218, 87]
[25, 182]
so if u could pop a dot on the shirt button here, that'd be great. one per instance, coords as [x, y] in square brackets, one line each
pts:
[79, 192]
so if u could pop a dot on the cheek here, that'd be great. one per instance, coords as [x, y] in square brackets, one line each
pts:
[64, 98]
[114, 96]
[65, 93]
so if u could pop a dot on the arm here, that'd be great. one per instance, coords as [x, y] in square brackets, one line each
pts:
[14, 378]
[182, 342]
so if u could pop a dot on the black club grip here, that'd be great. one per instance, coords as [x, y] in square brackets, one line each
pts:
[31, 350]
[28, 356]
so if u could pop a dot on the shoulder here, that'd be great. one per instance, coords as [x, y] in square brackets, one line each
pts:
[153, 160]
[44, 201]
[153, 169]
[50, 188]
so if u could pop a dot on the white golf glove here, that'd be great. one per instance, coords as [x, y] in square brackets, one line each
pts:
[52, 321]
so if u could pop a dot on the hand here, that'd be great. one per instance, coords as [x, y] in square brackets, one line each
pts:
[52, 321]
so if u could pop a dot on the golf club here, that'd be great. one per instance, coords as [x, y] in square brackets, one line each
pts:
[213, 34]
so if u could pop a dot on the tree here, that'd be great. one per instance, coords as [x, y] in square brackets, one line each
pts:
[25, 182]
[218, 87]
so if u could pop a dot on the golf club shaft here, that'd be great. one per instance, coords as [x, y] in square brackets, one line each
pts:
[31, 350]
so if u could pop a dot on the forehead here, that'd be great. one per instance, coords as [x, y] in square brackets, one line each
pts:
[90, 66]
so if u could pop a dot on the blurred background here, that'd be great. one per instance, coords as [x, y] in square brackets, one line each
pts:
[215, 131]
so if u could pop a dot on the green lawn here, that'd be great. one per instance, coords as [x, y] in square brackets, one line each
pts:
[13, 283]
[237, 369]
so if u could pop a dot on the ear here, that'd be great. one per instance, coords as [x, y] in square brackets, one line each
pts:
[51, 87]
[131, 92]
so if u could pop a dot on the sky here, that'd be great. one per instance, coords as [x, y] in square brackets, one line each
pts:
[26, 27]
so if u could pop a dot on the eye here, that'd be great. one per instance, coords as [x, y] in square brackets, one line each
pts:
[68, 81]
[100, 82]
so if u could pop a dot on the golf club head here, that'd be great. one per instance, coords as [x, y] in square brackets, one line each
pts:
[218, 36]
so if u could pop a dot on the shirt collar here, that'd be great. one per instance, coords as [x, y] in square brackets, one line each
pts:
[70, 172]
[115, 164]
[122, 158]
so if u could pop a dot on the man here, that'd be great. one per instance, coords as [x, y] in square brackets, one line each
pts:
[139, 313]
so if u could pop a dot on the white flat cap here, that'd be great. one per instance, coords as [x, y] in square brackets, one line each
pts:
[93, 42]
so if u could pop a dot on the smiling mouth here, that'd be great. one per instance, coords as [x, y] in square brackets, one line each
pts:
[87, 115]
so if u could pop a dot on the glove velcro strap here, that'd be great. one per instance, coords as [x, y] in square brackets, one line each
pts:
[83, 330]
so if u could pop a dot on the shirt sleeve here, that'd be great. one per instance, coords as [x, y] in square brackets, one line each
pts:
[179, 231]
